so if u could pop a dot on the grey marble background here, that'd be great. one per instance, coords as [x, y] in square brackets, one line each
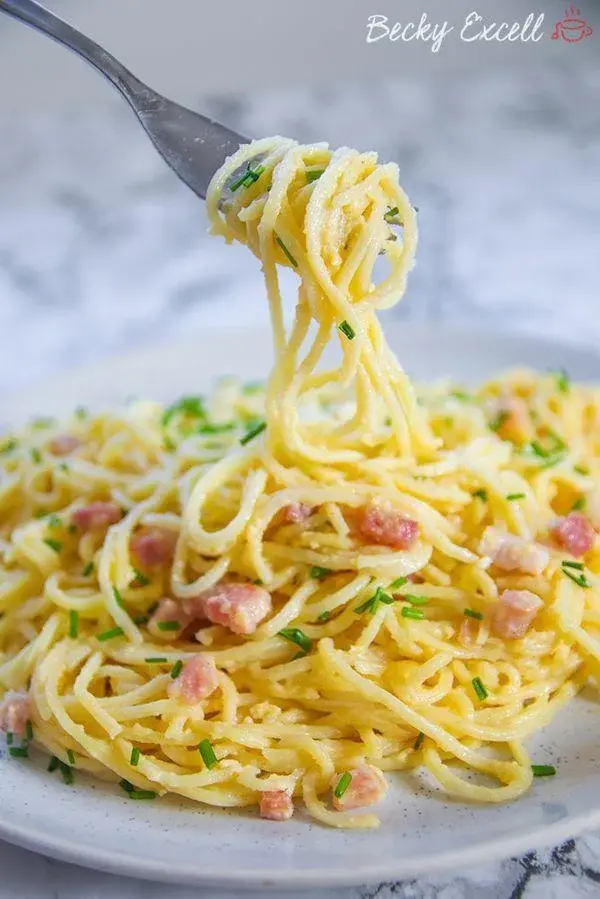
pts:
[101, 248]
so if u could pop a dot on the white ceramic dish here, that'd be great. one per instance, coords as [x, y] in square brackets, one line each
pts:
[96, 825]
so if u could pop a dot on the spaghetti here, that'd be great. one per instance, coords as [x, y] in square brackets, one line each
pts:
[283, 593]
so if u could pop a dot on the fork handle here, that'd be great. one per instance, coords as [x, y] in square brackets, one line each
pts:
[42, 19]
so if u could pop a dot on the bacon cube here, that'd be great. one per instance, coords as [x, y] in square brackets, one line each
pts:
[387, 528]
[514, 613]
[276, 805]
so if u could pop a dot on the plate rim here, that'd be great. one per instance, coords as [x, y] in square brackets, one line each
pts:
[399, 870]
[32, 838]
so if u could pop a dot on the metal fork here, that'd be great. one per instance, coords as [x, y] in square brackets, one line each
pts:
[191, 144]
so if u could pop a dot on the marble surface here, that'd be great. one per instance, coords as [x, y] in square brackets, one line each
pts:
[104, 249]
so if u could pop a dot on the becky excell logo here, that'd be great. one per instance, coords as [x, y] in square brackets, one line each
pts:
[571, 28]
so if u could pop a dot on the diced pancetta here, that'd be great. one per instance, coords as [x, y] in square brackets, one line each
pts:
[368, 786]
[64, 444]
[296, 513]
[276, 805]
[512, 419]
[387, 527]
[512, 553]
[97, 516]
[15, 712]
[574, 533]
[198, 679]
[169, 610]
[239, 607]
[153, 547]
[514, 613]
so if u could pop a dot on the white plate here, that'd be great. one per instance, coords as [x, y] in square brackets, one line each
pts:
[422, 831]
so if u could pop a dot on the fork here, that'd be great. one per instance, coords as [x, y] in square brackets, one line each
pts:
[191, 144]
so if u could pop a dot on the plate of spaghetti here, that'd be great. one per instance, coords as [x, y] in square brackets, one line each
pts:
[333, 622]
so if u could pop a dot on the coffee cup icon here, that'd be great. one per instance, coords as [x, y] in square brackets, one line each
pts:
[572, 30]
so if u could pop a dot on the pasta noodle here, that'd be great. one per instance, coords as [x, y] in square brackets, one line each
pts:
[283, 590]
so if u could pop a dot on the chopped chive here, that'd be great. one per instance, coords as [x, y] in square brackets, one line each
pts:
[168, 625]
[156, 660]
[192, 406]
[63, 466]
[235, 185]
[317, 573]
[253, 432]
[36, 455]
[552, 455]
[580, 469]
[415, 600]
[563, 382]
[88, 569]
[125, 785]
[347, 330]
[54, 521]
[543, 770]
[479, 688]
[538, 449]
[140, 579]
[134, 757]
[71, 756]
[257, 582]
[415, 614]
[342, 785]
[81, 412]
[313, 174]
[53, 764]
[298, 637]
[19, 752]
[118, 598]
[399, 582]
[9, 738]
[390, 215]
[176, 669]
[108, 635]
[56, 545]
[481, 494]
[324, 616]
[579, 579]
[8, 446]
[380, 596]
[496, 423]
[67, 774]
[29, 731]
[514, 496]
[462, 396]
[419, 741]
[286, 251]
[471, 613]
[208, 754]
[578, 505]
[215, 429]
[140, 620]
[249, 177]
[143, 794]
